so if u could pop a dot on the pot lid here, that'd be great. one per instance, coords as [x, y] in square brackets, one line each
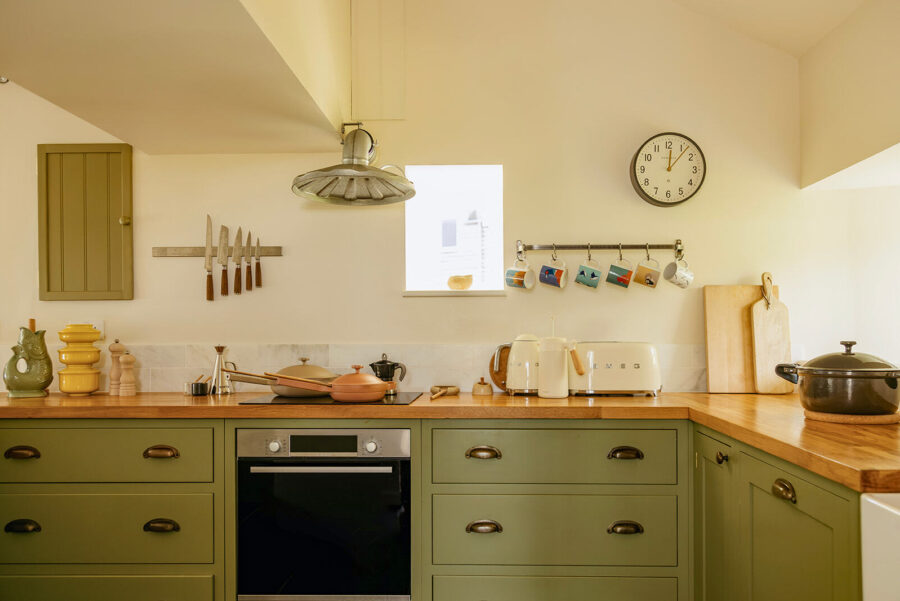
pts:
[846, 363]
[352, 382]
[307, 371]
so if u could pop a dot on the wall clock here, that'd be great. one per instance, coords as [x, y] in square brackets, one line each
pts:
[668, 169]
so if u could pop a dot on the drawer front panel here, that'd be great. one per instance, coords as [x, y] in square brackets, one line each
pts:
[106, 528]
[554, 530]
[98, 588]
[107, 455]
[555, 456]
[508, 588]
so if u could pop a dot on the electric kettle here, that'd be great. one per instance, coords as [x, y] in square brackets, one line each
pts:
[521, 365]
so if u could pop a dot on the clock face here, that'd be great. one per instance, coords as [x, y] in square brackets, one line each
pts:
[668, 169]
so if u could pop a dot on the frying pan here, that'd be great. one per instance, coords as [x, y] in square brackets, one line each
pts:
[353, 387]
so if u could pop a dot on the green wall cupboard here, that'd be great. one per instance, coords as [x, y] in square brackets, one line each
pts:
[84, 222]
[766, 530]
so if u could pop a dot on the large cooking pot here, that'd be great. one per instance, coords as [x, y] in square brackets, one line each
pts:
[848, 382]
[310, 372]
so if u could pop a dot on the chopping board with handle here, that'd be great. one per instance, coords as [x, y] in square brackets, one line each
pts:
[771, 340]
[498, 376]
[729, 337]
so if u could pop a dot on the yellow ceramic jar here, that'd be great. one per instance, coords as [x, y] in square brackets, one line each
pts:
[79, 377]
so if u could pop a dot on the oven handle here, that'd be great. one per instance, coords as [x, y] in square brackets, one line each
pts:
[321, 469]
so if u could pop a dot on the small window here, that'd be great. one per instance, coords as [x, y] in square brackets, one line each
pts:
[454, 230]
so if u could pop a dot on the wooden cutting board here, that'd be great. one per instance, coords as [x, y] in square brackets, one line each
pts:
[499, 377]
[771, 340]
[729, 337]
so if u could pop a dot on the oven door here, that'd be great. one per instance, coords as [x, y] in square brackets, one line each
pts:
[323, 529]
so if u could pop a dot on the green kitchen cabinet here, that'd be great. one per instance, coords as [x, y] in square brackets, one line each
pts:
[517, 588]
[84, 222]
[715, 519]
[802, 541]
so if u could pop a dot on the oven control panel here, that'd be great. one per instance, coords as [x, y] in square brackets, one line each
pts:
[316, 442]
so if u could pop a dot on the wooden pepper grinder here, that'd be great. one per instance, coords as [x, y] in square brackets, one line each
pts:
[115, 369]
[127, 382]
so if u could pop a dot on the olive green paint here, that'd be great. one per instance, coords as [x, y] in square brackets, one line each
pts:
[507, 588]
[97, 588]
[85, 252]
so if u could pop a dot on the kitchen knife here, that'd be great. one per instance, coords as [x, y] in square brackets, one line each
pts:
[248, 251]
[237, 256]
[207, 262]
[223, 259]
[258, 268]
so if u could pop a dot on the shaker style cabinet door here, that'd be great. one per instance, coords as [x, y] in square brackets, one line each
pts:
[84, 222]
[799, 542]
[715, 519]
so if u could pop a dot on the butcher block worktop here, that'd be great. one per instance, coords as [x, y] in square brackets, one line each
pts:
[864, 458]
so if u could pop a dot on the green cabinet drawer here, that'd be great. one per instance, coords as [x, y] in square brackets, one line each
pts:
[106, 528]
[515, 588]
[106, 455]
[102, 588]
[566, 530]
[554, 456]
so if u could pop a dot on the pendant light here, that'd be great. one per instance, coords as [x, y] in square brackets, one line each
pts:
[355, 182]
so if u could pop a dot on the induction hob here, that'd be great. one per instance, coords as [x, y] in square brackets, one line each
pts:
[401, 398]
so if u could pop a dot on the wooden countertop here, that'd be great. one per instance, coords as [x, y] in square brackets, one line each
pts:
[864, 458]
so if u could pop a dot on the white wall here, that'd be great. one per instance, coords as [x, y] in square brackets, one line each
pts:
[848, 90]
[562, 95]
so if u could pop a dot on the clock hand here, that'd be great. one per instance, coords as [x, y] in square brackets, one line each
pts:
[676, 160]
[669, 165]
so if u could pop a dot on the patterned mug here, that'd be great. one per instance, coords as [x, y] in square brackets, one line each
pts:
[520, 275]
[647, 273]
[554, 274]
[589, 274]
[619, 274]
[679, 273]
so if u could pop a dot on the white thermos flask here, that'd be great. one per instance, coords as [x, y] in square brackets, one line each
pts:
[553, 368]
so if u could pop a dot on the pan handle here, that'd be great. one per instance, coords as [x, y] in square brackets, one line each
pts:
[787, 371]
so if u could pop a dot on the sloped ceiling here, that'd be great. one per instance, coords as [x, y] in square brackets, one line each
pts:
[167, 76]
[794, 26]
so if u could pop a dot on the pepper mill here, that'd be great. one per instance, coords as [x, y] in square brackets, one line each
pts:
[127, 382]
[115, 370]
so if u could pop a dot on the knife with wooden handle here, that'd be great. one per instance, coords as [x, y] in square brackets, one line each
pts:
[237, 256]
[258, 268]
[207, 261]
[248, 252]
[223, 259]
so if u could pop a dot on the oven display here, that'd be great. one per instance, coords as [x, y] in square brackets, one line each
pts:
[324, 444]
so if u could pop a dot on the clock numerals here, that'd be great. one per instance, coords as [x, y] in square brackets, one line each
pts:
[668, 169]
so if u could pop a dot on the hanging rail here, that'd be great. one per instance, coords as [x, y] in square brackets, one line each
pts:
[678, 247]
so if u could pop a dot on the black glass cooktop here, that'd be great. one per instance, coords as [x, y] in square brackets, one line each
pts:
[401, 398]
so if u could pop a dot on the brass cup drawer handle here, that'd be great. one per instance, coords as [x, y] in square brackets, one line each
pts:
[161, 451]
[162, 525]
[23, 525]
[21, 452]
[484, 527]
[721, 457]
[784, 489]
[625, 452]
[625, 527]
[484, 452]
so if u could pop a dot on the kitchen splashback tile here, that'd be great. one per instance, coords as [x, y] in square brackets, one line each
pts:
[203, 356]
[156, 355]
[273, 357]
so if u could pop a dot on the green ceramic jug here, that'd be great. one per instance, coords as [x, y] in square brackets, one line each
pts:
[38, 374]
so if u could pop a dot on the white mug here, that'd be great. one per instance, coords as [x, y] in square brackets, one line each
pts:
[520, 275]
[679, 273]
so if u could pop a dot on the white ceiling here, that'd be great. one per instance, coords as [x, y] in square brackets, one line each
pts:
[794, 26]
[167, 76]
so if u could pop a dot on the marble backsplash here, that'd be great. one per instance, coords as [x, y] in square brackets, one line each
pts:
[165, 367]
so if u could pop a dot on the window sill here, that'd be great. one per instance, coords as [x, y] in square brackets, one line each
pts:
[413, 293]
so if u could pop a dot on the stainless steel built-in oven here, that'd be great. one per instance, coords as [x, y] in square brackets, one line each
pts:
[323, 515]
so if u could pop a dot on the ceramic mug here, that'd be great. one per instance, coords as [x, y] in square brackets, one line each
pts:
[520, 275]
[619, 274]
[679, 273]
[589, 274]
[647, 273]
[554, 274]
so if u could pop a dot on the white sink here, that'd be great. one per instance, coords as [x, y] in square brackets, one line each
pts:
[880, 526]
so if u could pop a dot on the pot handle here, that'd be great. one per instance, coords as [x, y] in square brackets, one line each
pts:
[497, 356]
[402, 371]
[787, 371]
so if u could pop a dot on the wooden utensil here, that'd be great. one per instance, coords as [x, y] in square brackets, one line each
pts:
[498, 377]
[771, 340]
[729, 337]
[348, 387]
[249, 377]
[439, 391]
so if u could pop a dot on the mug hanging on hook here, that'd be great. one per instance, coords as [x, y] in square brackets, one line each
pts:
[589, 272]
[554, 274]
[620, 272]
[648, 271]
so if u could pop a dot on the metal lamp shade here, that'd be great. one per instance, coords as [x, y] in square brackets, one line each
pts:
[354, 182]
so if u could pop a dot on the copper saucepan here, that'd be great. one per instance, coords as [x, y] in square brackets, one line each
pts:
[355, 387]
